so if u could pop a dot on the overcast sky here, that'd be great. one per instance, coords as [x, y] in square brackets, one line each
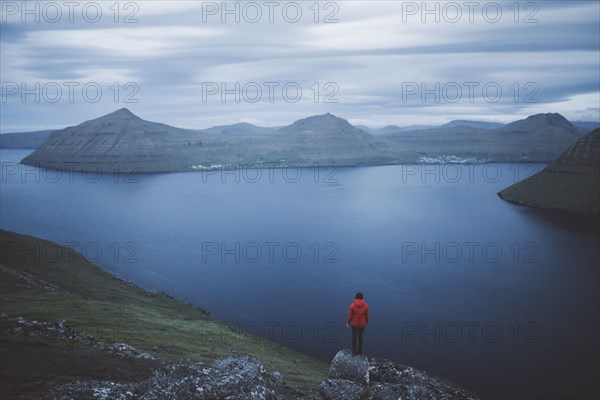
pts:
[373, 63]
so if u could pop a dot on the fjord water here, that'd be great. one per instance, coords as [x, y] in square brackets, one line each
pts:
[499, 298]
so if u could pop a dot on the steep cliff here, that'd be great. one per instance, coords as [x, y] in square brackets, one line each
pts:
[571, 183]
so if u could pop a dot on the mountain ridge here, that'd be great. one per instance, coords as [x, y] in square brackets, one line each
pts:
[472, 124]
[124, 138]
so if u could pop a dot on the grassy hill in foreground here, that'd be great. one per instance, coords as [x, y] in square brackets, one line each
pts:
[43, 281]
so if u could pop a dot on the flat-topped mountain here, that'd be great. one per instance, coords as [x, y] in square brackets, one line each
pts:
[571, 183]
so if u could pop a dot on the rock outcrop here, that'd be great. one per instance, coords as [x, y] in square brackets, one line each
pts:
[349, 367]
[234, 378]
[385, 380]
[571, 183]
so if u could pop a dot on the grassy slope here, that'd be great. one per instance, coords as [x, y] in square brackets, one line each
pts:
[111, 310]
[577, 190]
[571, 183]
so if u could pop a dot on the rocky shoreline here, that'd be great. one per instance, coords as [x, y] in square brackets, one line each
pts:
[359, 378]
[235, 377]
[63, 336]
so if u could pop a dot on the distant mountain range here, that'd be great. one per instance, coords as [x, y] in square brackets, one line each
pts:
[540, 137]
[571, 183]
[393, 128]
[586, 126]
[23, 140]
[472, 124]
[122, 139]
[241, 128]
[30, 140]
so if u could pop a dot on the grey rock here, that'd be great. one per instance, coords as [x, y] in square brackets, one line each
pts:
[278, 378]
[392, 381]
[145, 356]
[386, 381]
[58, 330]
[386, 371]
[241, 377]
[349, 367]
[231, 378]
[342, 389]
[102, 390]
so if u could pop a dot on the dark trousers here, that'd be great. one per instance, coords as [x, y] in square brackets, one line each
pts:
[357, 332]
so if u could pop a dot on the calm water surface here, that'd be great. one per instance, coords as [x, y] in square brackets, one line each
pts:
[499, 298]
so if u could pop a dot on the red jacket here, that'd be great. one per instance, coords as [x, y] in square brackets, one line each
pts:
[358, 314]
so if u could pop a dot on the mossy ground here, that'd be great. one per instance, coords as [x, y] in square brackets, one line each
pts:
[68, 287]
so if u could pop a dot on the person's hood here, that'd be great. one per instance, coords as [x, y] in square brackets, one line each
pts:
[359, 303]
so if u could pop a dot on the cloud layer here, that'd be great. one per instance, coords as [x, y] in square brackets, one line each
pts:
[198, 64]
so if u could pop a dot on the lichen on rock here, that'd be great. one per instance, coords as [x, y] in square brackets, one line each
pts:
[350, 367]
[385, 380]
[233, 378]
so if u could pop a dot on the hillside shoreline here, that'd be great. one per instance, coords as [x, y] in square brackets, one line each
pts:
[68, 326]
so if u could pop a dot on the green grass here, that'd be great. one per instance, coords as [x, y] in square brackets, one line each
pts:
[112, 310]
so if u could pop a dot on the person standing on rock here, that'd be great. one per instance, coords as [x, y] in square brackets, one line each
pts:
[358, 318]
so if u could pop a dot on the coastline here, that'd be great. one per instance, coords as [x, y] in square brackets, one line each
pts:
[95, 303]
[69, 326]
[101, 169]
